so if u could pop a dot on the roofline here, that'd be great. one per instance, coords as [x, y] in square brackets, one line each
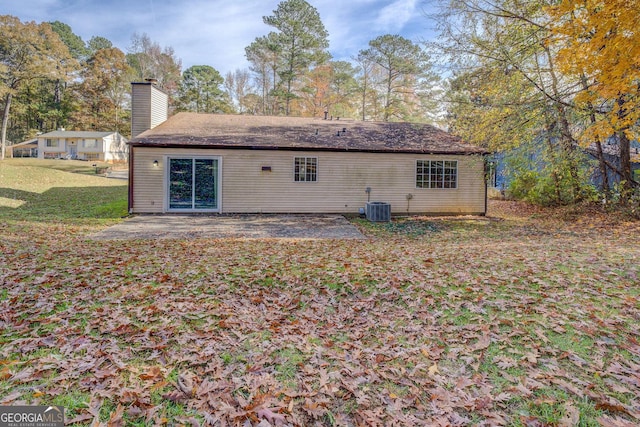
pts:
[88, 132]
[27, 142]
[318, 149]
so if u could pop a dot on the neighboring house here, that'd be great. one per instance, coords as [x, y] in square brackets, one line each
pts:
[611, 151]
[257, 164]
[27, 148]
[83, 145]
[500, 175]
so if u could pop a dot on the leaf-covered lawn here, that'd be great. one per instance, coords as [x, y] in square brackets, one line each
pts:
[532, 320]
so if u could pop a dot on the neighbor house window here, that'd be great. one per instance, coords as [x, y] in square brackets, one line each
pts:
[90, 143]
[92, 156]
[437, 174]
[305, 169]
[51, 142]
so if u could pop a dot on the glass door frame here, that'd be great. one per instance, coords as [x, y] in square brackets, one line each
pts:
[167, 183]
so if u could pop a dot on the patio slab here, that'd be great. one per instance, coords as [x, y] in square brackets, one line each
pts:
[232, 226]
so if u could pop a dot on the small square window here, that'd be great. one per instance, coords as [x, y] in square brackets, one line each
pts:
[305, 169]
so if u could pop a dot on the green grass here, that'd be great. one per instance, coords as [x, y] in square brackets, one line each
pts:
[400, 226]
[289, 360]
[56, 190]
[72, 166]
[73, 402]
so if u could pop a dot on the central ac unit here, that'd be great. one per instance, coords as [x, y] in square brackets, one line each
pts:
[378, 211]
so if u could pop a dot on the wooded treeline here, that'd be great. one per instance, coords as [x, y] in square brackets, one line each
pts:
[556, 82]
[553, 83]
[51, 78]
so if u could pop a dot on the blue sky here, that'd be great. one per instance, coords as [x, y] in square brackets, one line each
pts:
[215, 32]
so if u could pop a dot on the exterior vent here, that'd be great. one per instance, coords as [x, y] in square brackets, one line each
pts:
[378, 211]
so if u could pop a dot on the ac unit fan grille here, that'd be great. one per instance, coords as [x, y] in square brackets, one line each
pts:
[378, 212]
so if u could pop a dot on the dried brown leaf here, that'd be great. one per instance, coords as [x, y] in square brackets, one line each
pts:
[115, 420]
[175, 396]
[271, 415]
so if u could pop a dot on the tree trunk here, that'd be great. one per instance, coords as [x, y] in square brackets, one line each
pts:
[5, 122]
[387, 104]
[626, 179]
[568, 147]
[602, 165]
[625, 156]
[565, 132]
[57, 93]
[556, 180]
[289, 82]
[265, 91]
[602, 161]
[364, 96]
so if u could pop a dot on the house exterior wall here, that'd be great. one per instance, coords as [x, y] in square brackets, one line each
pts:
[115, 149]
[45, 152]
[342, 180]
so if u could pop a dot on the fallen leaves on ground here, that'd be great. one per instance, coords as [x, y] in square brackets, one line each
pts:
[527, 321]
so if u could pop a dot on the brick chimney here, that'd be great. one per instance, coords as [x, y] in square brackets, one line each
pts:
[149, 106]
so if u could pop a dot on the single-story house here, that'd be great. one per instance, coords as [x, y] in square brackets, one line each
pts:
[108, 147]
[257, 164]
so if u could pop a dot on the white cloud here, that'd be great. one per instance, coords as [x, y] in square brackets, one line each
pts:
[215, 32]
[394, 17]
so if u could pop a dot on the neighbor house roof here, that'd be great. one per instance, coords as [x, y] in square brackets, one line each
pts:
[611, 147]
[74, 134]
[33, 141]
[296, 133]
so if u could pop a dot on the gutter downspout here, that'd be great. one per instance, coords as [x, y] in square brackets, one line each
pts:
[130, 198]
[486, 184]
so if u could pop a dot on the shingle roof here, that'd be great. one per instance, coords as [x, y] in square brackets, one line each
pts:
[33, 141]
[296, 133]
[612, 148]
[74, 134]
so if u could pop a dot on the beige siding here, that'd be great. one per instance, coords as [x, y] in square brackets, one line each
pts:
[159, 107]
[149, 107]
[342, 180]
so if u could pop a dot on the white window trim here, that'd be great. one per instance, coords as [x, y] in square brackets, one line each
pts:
[306, 158]
[93, 146]
[165, 163]
[415, 176]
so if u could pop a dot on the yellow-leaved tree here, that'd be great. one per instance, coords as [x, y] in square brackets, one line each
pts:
[600, 46]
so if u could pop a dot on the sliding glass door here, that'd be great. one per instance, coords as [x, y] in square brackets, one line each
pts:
[180, 183]
[193, 184]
